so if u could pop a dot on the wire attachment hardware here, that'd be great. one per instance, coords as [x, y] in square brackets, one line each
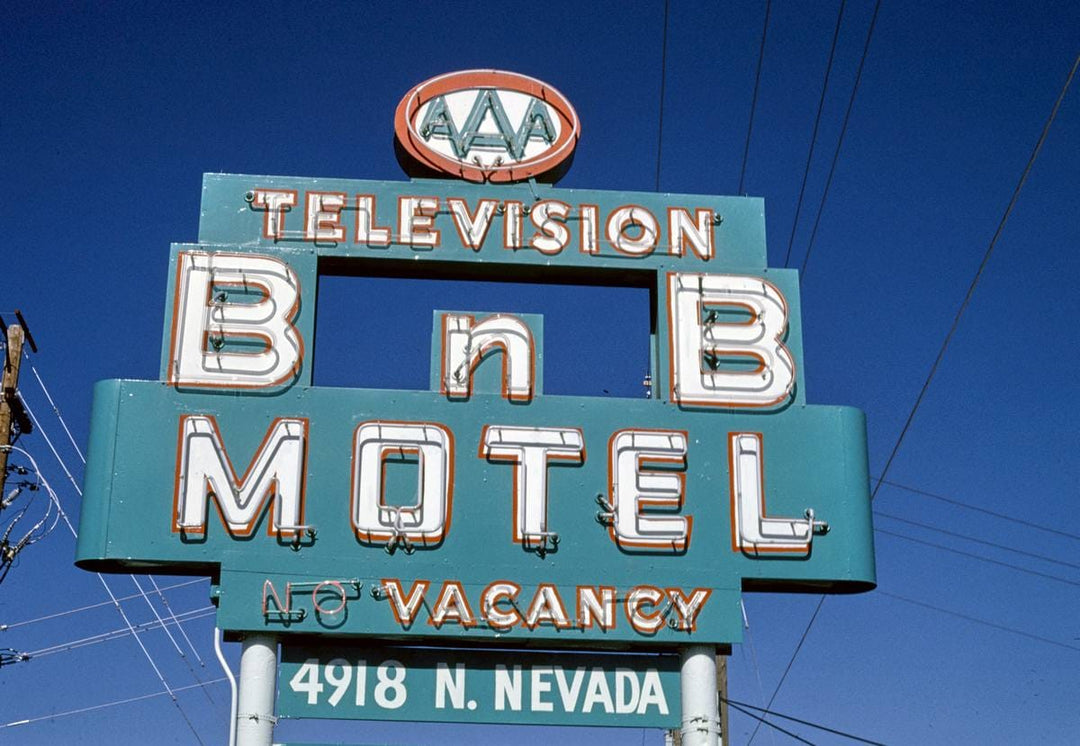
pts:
[398, 537]
[606, 515]
[542, 541]
[816, 527]
[298, 538]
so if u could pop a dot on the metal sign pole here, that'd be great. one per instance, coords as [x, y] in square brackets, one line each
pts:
[258, 684]
[700, 726]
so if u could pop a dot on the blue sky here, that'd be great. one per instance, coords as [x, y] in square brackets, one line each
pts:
[110, 116]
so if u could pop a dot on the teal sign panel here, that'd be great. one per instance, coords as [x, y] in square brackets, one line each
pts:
[484, 509]
[479, 686]
[384, 220]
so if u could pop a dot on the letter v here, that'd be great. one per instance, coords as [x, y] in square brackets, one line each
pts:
[405, 607]
[472, 229]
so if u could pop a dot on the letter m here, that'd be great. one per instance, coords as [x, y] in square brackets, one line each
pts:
[275, 476]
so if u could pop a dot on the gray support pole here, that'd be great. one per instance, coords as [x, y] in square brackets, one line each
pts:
[700, 726]
[258, 684]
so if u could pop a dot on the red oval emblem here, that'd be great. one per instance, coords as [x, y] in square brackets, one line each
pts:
[486, 126]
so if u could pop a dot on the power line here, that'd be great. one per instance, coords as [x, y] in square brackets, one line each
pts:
[967, 506]
[808, 723]
[117, 634]
[88, 607]
[976, 620]
[978, 557]
[81, 710]
[104, 583]
[154, 611]
[978, 276]
[78, 490]
[663, 80]
[75, 534]
[967, 537]
[753, 657]
[840, 141]
[959, 314]
[753, 101]
[813, 136]
[55, 409]
[761, 720]
[82, 458]
[64, 647]
[9, 551]
[817, 609]
[179, 627]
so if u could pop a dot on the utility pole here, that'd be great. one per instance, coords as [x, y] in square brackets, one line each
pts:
[674, 737]
[13, 417]
[258, 681]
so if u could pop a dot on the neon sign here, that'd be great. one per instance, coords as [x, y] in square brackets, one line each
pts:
[483, 508]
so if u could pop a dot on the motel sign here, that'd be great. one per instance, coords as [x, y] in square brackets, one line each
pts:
[483, 510]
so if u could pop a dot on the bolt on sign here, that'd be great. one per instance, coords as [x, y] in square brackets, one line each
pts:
[482, 510]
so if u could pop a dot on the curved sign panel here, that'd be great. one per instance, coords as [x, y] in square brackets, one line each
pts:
[486, 126]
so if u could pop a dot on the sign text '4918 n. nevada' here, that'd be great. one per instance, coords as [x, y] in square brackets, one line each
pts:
[441, 685]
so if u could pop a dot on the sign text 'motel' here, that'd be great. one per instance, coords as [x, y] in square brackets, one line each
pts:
[481, 509]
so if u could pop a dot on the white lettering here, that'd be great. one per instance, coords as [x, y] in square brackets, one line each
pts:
[416, 221]
[472, 229]
[452, 685]
[645, 622]
[539, 686]
[596, 604]
[275, 202]
[530, 450]
[686, 608]
[424, 521]
[698, 232]
[452, 606]
[306, 681]
[492, 614]
[366, 230]
[549, 216]
[597, 692]
[629, 219]
[507, 688]
[512, 228]
[717, 325]
[208, 327]
[322, 217]
[405, 607]
[590, 230]
[569, 691]
[634, 489]
[466, 343]
[547, 608]
[652, 693]
[338, 675]
[752, 531]
[627, 691]
[276, 472]
[390, 692]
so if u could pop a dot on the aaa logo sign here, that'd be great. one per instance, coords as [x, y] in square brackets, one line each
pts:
[486, 126]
